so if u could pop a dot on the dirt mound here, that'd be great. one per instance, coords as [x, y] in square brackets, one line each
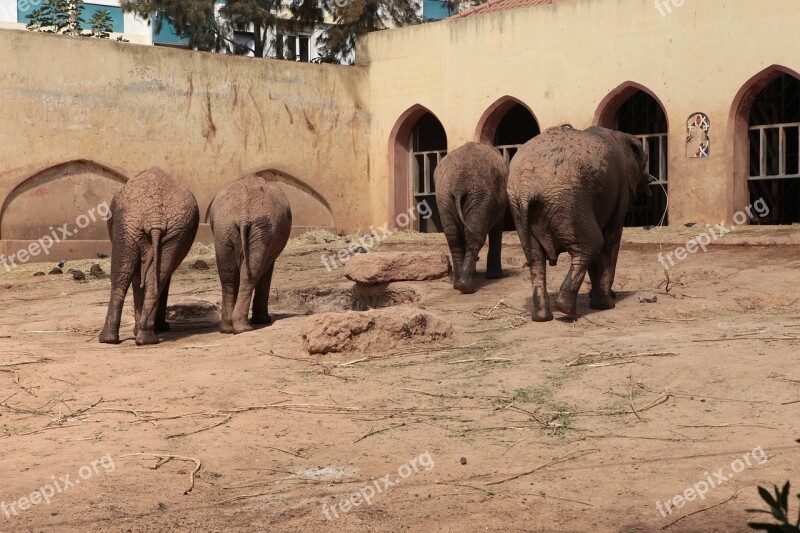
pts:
[346, 297]
[195, 314]
[376, 268]
[372, 331]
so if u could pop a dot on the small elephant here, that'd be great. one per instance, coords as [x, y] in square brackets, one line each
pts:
[153, 223]
[471, 196]
[251, 221]
[569, 191]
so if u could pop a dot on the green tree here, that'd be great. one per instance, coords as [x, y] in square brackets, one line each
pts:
[354, 18]
[100, 24]
[57, 16]
[193, 19]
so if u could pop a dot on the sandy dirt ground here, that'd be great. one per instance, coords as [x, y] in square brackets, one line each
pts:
[506, 426]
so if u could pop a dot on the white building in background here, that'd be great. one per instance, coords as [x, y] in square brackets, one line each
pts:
[298, 44]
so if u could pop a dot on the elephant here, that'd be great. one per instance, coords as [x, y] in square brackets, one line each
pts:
[568, 191]
[154, 220]
[251, 221]
[471, 197]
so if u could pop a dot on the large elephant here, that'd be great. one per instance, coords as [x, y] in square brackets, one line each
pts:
[569, 191]
[471, 196]
[251, 221]
[153, 223]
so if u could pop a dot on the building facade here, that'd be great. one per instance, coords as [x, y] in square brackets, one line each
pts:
[298, 44]
[711, 87]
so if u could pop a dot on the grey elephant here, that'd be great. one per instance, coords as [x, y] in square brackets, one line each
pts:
[153, 223]
[569, 191]
[251, 221]
[471, 196]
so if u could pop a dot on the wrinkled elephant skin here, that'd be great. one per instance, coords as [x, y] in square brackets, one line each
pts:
[568, 191]
[153, 223]
[471, 196]
[251, 221]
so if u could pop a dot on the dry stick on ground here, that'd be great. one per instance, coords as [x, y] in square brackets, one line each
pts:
[790, 403]
[164, 457]
[690, 396]
[735, 494]
[285, 451]
[244, 496]
[737, 424]
[570, 457]
[28, 362]
[602, 357]
[379, 431]
[212, 426]
[630, 399]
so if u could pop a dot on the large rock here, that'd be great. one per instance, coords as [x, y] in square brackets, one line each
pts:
[376, 330]
[376, 268]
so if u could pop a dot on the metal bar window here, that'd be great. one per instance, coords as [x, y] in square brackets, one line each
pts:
[778, 153]
[655, 146]
[423, 165]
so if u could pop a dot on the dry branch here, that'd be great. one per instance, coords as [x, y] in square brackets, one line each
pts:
[569, 457]
[162, 458]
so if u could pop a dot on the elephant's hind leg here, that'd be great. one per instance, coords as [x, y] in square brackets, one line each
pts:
[161, 314]
[494, 267]
[120, 281]
[541, 300]
[567, 301]
[601, 273]
[454, 233]
[261, 298]
[230, 288]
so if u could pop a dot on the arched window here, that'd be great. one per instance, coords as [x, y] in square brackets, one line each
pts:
[417, 144]
[774, 150]
[635, 111]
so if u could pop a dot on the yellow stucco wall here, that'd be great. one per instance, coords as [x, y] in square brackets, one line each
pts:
[103, 110]
[80, 116]
[563, 60]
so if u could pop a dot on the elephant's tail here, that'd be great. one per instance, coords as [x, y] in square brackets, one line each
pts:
[520, 210]
[244, 234]
[152, 261]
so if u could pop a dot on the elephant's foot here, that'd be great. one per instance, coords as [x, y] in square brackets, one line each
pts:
[567, 305]
[601, 301]
[108, 336]
[464, 287]
[261, 319]
[495, 273]
[146, 337]
[226, 326]
[241, 327]
[613, 294]
[163, 326]
[541, 307]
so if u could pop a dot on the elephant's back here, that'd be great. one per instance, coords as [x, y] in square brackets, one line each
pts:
[560, 154]
[155, 190]
[471, 165]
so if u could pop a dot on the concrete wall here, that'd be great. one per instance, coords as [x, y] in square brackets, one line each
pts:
[76, 124]
[563, 60]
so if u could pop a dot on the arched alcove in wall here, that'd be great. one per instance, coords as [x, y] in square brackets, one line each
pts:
[58, 195]
[766, 143]
[633, 108]
[416, 145]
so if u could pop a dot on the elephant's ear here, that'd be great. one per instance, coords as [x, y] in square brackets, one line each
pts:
[638, 178]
